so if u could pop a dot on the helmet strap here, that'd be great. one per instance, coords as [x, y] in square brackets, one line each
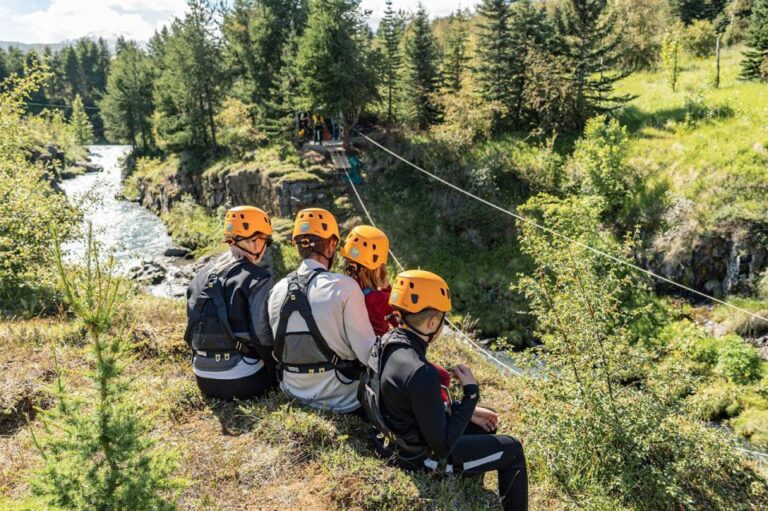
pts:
[257, 255]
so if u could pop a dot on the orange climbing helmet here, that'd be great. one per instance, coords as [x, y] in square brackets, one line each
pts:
[317, 222]
[243, 222]
[367, 246]
[416, 290]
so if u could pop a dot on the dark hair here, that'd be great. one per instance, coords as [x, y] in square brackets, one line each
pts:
[321, 245]
[419, 318]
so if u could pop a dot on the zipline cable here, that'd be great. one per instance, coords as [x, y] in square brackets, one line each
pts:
[563, 236]
[30, 103]
[467, 339]
[763, 457]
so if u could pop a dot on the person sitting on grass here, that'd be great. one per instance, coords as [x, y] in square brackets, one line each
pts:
[401, 395]
[322, 336]
[365, 252]
[227, 325]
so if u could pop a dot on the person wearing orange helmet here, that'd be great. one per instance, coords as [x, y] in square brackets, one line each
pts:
[365, 253]
[401, 396]
[322, 336]
[227, 325]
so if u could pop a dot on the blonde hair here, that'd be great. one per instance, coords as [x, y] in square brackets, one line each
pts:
[373, 279]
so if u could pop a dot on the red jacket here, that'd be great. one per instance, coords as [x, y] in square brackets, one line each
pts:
[377, 303]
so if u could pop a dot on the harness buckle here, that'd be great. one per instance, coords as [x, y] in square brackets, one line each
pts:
[218, 357]
[226, 356]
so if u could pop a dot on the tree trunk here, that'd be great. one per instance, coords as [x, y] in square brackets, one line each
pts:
[717, 63]
[347, 143]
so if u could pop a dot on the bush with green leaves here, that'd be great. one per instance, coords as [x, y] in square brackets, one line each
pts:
[700, 38]
[191, 226]
[599, 165]
[737, 361]
[29, 206]
[604, 428]
[95, 447]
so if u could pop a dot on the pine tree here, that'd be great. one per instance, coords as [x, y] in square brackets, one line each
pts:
[423, 71]
[334, 62]
[755, 63]
[531, 33]
[456, 57]
[390, 35]
[80, 123]
[96, 449]
[495, 60]
[190, 81]
[127, 105]
[589, 39]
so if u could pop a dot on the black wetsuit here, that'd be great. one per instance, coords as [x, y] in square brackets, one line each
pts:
[414, 410]
[246, 288]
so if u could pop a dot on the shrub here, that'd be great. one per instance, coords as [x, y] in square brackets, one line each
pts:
[700, 39]
[236, 127]
[191, 226]
[96, 452]
[737, 361]
[29, 206]
[697, 111]
[752, 424]
[598, 165]
[715, 402]
[600, 429]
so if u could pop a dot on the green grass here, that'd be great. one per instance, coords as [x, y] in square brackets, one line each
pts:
[718, 161]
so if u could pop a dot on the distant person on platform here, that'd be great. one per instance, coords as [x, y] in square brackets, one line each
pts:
[227, 324]
[322, 336]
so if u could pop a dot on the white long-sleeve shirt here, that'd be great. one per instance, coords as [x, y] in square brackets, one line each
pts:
[338, 306]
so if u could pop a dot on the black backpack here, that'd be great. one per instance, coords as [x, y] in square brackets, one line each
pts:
[370, 398]
[307, 352]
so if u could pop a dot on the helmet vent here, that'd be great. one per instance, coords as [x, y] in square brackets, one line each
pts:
[442, 291]
[374, 246]
[401, 282]
[365, 243]
[321, 216]
[311, 215]
[414, 298]
[356, 239]
[412, 286]
[246, 225]
[325, 227]
[242, 215]
[375, 258]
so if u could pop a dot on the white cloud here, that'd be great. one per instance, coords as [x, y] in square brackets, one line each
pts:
[138, 19]
[70, 19]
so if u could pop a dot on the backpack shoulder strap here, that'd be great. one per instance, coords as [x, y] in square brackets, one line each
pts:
[296, 301]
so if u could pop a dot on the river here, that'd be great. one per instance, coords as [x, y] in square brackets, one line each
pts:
[130, 232]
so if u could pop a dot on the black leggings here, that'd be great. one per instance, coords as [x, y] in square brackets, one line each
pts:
[255, 385]
[478, 452]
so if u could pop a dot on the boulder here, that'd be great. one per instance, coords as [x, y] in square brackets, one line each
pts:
[148, 272]
[176, 252]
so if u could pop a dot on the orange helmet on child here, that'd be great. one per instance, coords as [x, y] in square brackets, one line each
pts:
[243, 222]
[416, 290]
[367, 246]
[317, 222]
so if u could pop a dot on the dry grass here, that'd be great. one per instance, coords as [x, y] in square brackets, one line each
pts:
[266, 454]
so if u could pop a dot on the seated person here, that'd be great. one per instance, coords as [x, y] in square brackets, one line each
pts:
[227, 325]
[401, 396]
[322, 336]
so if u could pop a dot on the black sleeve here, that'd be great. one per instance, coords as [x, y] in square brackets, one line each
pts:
[440, 430]
[261, 331]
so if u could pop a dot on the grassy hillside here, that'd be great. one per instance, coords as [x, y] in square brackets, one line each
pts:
[270, 454]
[707, 144]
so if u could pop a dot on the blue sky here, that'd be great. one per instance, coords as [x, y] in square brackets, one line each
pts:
[51, 21]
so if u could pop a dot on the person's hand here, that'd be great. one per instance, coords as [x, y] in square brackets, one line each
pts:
[464, 375]
[485, 418]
